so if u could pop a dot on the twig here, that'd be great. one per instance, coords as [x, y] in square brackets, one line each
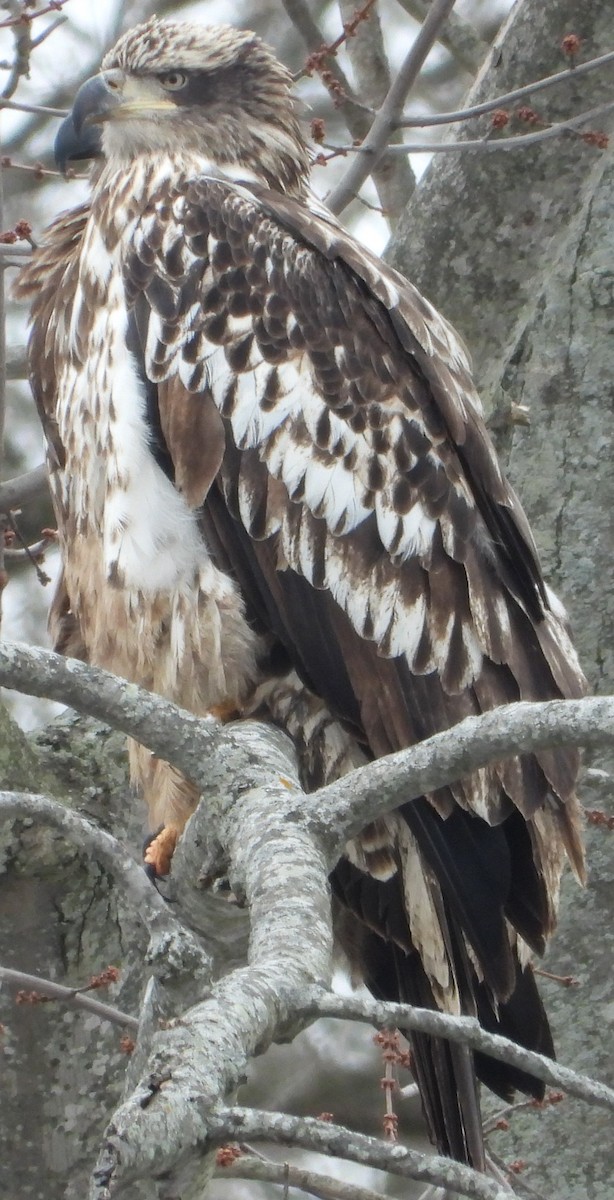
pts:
[325, 1187]
[29, 554]
[308, 1133]
[371, 70]
[36, 169]
[379, 135]
[24, 18]
[301, 17]
[23, 46]
[486, 145]
[520, 1187]
[465, 1030]
[499, 1120]
[71, 996]
[358, 118]
[477, 110]
[51, 28]
[21, 106]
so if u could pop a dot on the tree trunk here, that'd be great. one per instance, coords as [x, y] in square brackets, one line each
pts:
[514, 248]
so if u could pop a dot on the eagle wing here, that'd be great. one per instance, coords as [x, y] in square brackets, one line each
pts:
[322, 416]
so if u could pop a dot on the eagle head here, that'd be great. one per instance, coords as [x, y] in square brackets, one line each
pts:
[212, 91]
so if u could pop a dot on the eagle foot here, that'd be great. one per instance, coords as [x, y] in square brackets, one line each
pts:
[159, 851]
[225, 712]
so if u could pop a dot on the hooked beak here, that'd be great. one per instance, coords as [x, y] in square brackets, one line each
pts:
[79, 137]
[70, 147]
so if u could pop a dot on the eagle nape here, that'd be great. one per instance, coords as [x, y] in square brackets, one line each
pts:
[276, 495]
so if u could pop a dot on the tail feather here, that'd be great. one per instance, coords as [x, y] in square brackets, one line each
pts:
[444, 1072]
[447, 1073]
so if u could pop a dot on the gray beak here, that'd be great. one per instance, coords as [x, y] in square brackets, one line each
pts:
[78, 137]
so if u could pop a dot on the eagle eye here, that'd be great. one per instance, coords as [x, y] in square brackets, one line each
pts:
[173, 80]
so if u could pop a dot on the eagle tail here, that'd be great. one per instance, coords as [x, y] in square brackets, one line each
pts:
[444, 1071]
[522, 1018]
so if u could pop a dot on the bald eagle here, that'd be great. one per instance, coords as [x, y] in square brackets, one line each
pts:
[275, 493]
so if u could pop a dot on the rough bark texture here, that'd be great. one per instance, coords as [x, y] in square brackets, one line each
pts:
[60, 917]
[515, 249]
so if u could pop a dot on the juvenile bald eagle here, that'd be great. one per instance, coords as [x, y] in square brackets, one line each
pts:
[275, 493]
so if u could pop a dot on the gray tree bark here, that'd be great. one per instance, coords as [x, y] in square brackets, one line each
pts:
[513, 248]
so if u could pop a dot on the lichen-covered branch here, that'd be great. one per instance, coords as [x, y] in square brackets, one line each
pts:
[309, 1133]
[197, 1062]
[172, 946]
[341, 809]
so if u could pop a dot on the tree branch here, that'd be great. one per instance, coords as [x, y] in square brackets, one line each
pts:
[377, 139]
[23, 489]
[325, 1187]
[371, 70]
[309, 1133]
[478, 110]
[519, 728]
[197, 1062]
[457, 36]
[19, 106]
[67, 995]
[465, 1030]
[173, 948]
[341, 809]
[390, 182]
[487, 144]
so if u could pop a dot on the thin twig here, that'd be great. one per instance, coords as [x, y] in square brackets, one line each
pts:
[371, 70]
[37, 169]
[325, 1187]
[357, 116]
[477, 110]
[377, 139]
[71, 996]
[21, 106]
[487, 145]
[21, 17]
[30, 553]
[51, 28]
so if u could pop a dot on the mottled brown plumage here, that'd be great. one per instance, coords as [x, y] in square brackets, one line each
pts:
[276, 494]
